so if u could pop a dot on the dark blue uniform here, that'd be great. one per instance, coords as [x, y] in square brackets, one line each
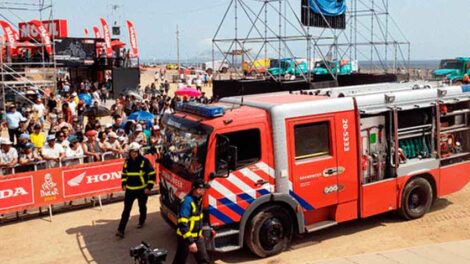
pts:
[137, 175]
[190, 231]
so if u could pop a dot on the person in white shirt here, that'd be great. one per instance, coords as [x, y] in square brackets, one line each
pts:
[8, 157]
[112, 144]
[13, 121]
[96, 97]
[52, 152]
[41, 109]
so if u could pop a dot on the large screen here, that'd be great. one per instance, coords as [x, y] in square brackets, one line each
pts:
[75, 51]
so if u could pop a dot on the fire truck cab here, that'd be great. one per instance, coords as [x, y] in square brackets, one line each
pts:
[287, 163]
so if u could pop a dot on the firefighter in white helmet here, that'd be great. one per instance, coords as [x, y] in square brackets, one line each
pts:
[138, 178]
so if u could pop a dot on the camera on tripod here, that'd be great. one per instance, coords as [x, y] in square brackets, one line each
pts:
[144, 254]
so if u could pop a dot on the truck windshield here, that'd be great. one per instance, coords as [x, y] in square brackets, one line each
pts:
[322, 64]
[278, 64]
[450, 64]
[184, 146]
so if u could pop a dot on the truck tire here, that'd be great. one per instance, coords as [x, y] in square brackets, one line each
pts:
[417, 199]
[457, 83]
[270, 231]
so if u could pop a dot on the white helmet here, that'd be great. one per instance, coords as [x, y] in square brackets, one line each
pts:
[134, 146]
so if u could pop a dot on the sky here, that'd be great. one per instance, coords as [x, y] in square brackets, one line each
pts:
[436, 28]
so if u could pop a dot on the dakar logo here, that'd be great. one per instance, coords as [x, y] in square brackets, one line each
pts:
[48, 187]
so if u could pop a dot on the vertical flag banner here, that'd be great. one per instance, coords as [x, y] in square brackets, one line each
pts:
[86, 32]
[97, 32]
[45, 36]
[133, 40]
[107, 38]
[11, 36]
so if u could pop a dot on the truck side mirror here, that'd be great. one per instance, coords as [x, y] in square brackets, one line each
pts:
[232, 157]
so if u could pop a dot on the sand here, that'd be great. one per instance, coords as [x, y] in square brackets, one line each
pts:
[87, 235]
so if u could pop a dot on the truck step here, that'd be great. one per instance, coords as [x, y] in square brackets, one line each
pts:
[320, 225]
[227, 248]
[229, 232]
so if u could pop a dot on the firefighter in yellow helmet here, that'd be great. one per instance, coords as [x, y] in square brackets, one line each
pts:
[138, 177]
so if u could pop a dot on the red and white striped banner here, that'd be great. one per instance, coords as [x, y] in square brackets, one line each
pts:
[133, 40]
[45, 36]
[107, 38]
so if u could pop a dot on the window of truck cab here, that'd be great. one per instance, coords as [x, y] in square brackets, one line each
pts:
[184, 146]
[248, 143]
[312, 140]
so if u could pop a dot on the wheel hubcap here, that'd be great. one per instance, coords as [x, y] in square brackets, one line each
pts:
[271, 233]
[417, 199]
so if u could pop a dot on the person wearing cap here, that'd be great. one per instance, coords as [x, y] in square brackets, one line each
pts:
[22, 141]
[139, 135]
[52, 152]
[13, 121]
[112, 144]
[37, 137]
[138, 177]
[108, 128]
[23, 128]
[155, 137]
[8, 156]
[189, 229]
[91, 147]
[74, 151]
[27, 157]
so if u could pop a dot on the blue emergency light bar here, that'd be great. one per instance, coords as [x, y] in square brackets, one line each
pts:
[209, 111]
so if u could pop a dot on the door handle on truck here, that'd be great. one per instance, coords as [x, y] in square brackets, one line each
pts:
[260, 182]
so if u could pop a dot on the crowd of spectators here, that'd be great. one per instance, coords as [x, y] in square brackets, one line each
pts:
[60, 129]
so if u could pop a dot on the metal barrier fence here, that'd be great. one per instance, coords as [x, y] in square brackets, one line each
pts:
[45, 164]
[44, 184]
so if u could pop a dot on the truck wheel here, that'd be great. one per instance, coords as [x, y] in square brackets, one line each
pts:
[457, 83]
[417, 199]
[269, 232]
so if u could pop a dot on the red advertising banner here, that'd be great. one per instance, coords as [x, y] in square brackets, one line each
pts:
[99, 178]
[97, 32]
[45, 187]
[57, 28]
[107, 38]
[45, 37]
[11, 35]
[16, 192]
[133, 40]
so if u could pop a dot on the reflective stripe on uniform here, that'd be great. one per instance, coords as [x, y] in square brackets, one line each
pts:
[136, 187]
[152, 182]
[193, 207]
[134, 174]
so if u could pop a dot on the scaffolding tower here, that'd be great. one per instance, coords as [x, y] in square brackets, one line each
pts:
[274, 29]
[22, 78]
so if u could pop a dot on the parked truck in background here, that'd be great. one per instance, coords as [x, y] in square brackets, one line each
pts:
[452, 70]
[292, 66]
[341, 67]
[282, 164]
[258, 66]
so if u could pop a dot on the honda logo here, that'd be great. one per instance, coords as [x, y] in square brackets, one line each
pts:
[8, 193]
[90, 179]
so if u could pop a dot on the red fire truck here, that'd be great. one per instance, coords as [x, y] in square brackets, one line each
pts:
[286, 163]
